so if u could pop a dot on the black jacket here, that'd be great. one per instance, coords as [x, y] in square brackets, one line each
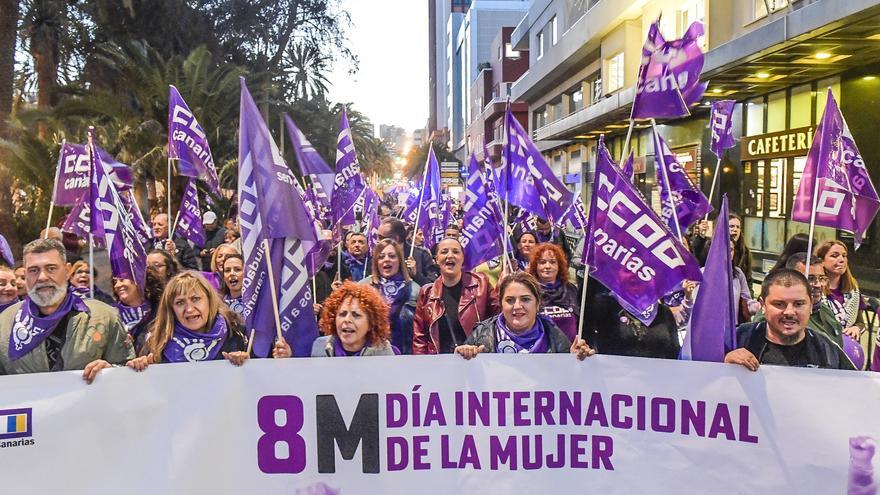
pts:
[185, 254]
[821, 351]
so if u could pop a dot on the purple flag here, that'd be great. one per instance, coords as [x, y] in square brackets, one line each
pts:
[311, 164]
[6, 252]
[628, 169]
[144, 233]
[690, 202]
[847, 199]
[527, 180]
[722, 130]
[73, 173]
[669, 75]
[712, 327]
[78, 221]
[576, 215]
[189, 217]
[271, 211]
[349, 183]
[632, 252]
[482, 231]
[110, 220]
[411, 208]
[188, 144]
[429, 203]
[371, 218]
[446, 216]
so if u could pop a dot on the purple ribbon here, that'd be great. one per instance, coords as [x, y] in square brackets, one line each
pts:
[188, 346]
[532, 341]
[30, 328]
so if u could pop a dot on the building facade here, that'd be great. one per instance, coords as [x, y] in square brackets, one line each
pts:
[776, 58]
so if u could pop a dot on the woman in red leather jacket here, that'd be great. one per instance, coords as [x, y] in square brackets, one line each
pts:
[449, 309]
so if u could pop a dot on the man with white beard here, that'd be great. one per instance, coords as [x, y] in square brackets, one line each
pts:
[53, 329]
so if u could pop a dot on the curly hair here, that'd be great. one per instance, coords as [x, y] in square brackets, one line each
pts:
[371, 302]
[545, 247]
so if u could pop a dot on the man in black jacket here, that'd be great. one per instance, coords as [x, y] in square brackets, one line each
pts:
[784, 339]
[422, 268]
[178, 248]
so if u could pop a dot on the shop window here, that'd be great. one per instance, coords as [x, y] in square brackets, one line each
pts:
[822, 94]
[776, 112]
[755, 117]
[801, 106]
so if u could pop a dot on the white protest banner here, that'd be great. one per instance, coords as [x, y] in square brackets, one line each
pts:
[496, 424]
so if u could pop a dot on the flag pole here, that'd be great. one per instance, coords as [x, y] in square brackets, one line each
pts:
[658, 154]
[812, 219]
[168, 193]
[412, 247]
[268, 256]
[505, 170]
[629, 131]
[714, 181]
[91, 264]
[174, 225]
[54, 187]
[580, 329]
[89, 147]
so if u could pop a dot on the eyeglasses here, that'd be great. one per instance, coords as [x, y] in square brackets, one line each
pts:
[820, 279]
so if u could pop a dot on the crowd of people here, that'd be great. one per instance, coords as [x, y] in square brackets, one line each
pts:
[398, 298]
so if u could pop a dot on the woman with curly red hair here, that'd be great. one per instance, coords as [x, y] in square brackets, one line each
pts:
[559, 300]
[354, 321]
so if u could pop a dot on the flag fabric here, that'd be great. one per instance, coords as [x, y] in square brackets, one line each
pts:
[628, 168]
[527, 181]
[446, 216]
[6, 253]
[78, 221]
[482, 232]
[110, 221]
[630, 249]
[690, 202]
[712, 327]
[348, 183]
[188, 144]
[722, 130]
[371, 218]
[189, 216]
[144, 233]
[669, 74]
[412, 203]
[847, 199]
[72, 181]
[429, 203]
[271, 208]
[311, 164]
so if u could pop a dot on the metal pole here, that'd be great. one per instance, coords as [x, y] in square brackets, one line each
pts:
[268, 255]
[658, 153]
[714, 181]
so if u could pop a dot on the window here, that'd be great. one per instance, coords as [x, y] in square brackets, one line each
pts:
[597, 90]
[540, 117]
[554, 31]
[763, 7]
[539, 40]
[509, 52]
[501, 52]
[557, 110]
[577, 100]
[614, 71]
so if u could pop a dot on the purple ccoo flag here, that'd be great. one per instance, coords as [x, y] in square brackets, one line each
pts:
[189, 217]
[669, 75]
[722, 130]
[632, 252]
[349, 183]
[482, 231]
[690, 202]
[110, 220]
[429, 203]
[846, 198]
[712, 327]
[73, 173]
[527, 181]
[272, 213]
[188, 144]
[311, 164]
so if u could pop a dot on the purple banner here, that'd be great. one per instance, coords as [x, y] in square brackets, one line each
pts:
[847, 199]
[669, 75]
[189, 217]
[630, 249]
[72, 180]
[481, 233]
[690, 202]
[311, 164]
[188, 144]
[429, 216]
[720, 124]
[349, 183]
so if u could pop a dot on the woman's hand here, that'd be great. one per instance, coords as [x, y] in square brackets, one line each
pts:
[91, 370]
[469, 351]
[141, 363]
[853, 332]
[237, 358]
[581, 349]
[411, 266]
[281, 349]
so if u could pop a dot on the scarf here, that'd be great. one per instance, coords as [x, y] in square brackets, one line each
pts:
[235, 304]
[532, 341]
[30, 328]
[845, 306]
[339, 351]
[521, 261]
[131, 316]
[355, 266]
[188, 346]
[395, 291]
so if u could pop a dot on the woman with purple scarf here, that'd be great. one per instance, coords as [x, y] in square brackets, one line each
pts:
[8, 287]
[559, 301]
[354, 321]
[80, 280]
[192, 324]
[519, 328]
[398, 290]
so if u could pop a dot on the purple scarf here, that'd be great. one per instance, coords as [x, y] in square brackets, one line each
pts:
[131, 316]
[532, 341]
[30, 328]
[188, 346]
[394, 291]
[235, 304]
[339, 351]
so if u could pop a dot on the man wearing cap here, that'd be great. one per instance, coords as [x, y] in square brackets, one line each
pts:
[179, 248]
[214, 236]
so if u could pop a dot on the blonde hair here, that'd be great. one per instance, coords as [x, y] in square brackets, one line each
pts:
[847, 281]
[183, 283]
[214, 267]
[374, 263]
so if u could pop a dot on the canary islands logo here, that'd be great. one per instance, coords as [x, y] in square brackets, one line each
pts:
[16, 427]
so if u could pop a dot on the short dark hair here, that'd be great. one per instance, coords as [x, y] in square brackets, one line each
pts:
[785, 277]
[453, 227]
[524, 278]
[398, 229]
[801, 258]
[44, 246]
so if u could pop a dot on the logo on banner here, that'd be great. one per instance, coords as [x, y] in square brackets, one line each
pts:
[16, 427]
